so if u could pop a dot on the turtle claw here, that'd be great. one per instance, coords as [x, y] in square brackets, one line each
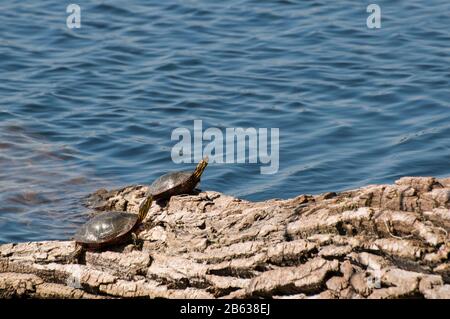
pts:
[137, 243]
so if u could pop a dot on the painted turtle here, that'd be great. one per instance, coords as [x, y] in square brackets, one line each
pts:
[109, 228]
[177, 183]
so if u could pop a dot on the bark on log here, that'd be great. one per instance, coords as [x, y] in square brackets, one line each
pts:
[380, 241]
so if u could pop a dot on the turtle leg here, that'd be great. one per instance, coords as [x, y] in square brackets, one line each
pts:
[136, 241]
[73, 258]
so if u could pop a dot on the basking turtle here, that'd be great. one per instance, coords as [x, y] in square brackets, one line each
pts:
[177, 183]
[109, 228]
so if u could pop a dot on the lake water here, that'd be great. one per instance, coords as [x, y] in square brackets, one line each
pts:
[82, 109]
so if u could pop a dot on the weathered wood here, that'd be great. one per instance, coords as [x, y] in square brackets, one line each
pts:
[380, 241]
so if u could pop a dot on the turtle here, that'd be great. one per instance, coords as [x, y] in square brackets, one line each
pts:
[176, 183]
[109, 228]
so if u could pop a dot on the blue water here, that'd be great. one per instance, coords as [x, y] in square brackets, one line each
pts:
[94, 107]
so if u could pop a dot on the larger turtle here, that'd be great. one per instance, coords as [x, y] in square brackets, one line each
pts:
[110, 228]
[176, 183]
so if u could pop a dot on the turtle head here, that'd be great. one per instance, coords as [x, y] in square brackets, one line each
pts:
[144, 207]
[201, 167]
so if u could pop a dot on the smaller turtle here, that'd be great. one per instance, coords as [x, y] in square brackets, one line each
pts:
[177, 183]
[109, 228]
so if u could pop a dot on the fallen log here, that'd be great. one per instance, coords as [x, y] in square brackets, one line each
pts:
[380, 241]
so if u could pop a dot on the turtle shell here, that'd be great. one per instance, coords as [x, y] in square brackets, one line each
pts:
[177, 183]
[106, 228]
[170, 184]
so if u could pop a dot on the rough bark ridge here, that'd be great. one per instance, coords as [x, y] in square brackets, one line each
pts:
[381, 241]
